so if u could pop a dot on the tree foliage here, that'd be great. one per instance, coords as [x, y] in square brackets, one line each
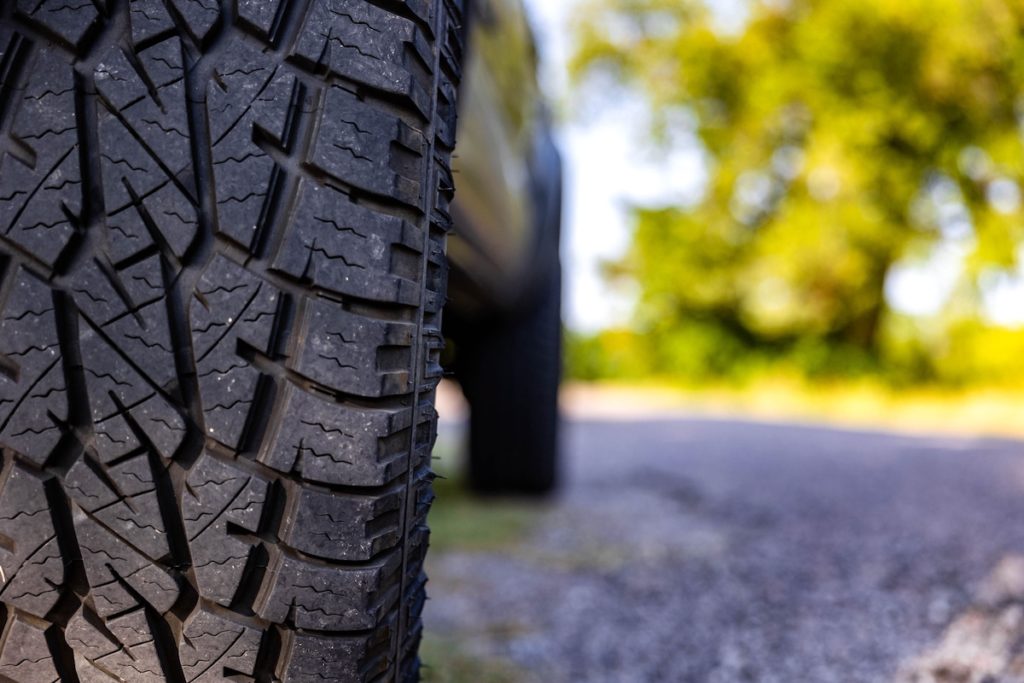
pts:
[842, 137]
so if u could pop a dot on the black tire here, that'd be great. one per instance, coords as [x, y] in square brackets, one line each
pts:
[222, 257]
[510, 370]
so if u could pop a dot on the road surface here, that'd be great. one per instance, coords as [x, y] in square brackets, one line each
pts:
[726, 551]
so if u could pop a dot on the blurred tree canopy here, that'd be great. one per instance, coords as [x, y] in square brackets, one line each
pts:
[842, 136]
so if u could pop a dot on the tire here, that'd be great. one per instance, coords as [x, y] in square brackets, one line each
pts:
[222, 254]
[510, 371]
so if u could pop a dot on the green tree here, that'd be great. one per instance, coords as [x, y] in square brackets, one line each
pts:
[842, 136]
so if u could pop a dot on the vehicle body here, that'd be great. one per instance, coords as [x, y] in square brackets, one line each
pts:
[505, 283]
[508, 171]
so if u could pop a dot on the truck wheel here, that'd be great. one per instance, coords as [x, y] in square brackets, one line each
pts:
[510, 371]
[222, 231]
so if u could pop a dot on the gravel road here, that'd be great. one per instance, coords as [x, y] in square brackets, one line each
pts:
[721, 551]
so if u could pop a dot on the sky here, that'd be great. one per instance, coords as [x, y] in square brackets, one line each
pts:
[610, 166]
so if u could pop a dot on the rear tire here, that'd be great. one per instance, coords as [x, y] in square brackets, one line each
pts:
[221, 275]
[510, 371]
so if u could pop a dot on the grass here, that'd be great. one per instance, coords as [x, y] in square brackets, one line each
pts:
[446, 661]
[462, 521]
[990, 412]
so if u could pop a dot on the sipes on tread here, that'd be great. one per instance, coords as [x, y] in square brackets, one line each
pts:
[221, 276]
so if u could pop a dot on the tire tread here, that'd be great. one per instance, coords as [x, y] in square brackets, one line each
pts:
[222, 266]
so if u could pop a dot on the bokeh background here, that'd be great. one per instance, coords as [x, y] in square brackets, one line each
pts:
[799, 211]
[837, 196]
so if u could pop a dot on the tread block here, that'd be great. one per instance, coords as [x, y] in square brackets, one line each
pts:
[89, 636]
[343, 659]
[117, 573]
[221, 500]
[344, 526]
[24, 656]
[199, 16]
[452, 50]
[335, 444]
[248, 90]
[32, 401]
[329, 598]
[259, 14]
[129, 306]
[87, 673]
[92, 643]
[149, 95]
[149, 18]
[123, 403]
[123, 498]
[145, 158]
[38, 189]
[424, 9]
[354, 354]
[230, 306]
[370, 150]
[163, 216]
[121, 649]
[32, 564]
[69, 20]
[448, 111]
[213, 646]
[418, 591]
[359, 42]
[133, 631]
[126, 164]
[346, 248]
[249, 98]
[139, 660]
[146, 339]
[140, 194]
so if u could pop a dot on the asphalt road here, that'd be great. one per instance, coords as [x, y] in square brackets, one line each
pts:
[721, 551]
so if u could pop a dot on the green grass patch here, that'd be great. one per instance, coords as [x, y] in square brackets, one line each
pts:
[861, 404]
[446, 661]
[461, 521]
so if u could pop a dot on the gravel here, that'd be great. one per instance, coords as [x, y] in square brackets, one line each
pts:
[722, 551]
